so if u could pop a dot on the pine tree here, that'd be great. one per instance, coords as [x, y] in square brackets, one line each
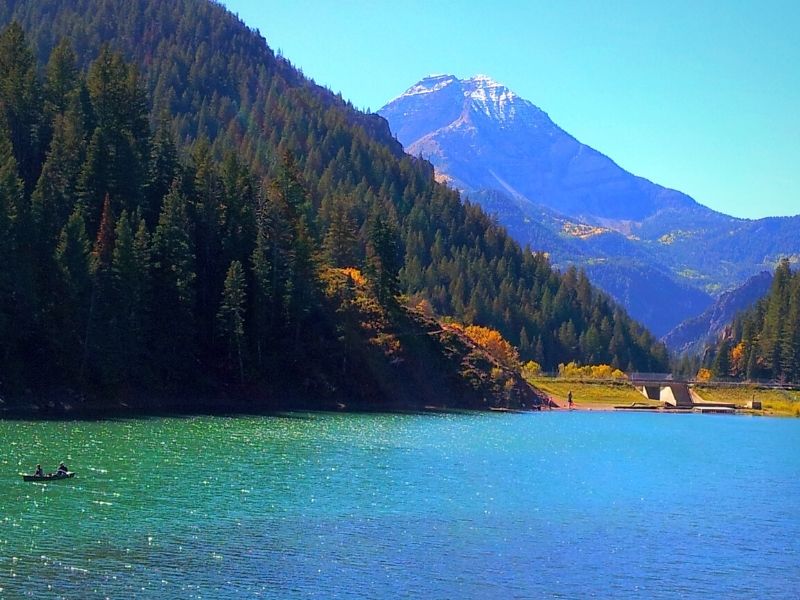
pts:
[18, 234]
[102, 329]
[21, 102]
[230, 317]
[237, 217]
[61, 78]
[340, 241]
[721, 367]
[130, 270]
[53, 199]
[10, 198]
[790, 334]
[117, 154]
[774, 315]
[104, 244]
[73, 259]
[383, 259]
[173, 289]
[163, 170]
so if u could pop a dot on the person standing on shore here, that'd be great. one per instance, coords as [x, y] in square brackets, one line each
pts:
[569, 399]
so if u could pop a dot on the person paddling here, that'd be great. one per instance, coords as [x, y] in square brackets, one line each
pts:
[39, 472]
[62, 469]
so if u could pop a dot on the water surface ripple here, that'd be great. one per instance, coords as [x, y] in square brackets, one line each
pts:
[557, 505]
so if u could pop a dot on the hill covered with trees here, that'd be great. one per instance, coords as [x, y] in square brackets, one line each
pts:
[764, 341]
[175, 201]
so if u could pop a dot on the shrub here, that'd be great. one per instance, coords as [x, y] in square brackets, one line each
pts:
[575, 371]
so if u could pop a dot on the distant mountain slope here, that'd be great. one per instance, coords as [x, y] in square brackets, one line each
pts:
[626, 270]
[692, 335]
[648, 293]
[566, 198]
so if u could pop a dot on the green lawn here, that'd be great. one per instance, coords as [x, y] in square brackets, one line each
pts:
[588, 392]
[585, 392]
[778, 402]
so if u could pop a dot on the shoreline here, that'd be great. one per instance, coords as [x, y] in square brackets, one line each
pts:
[591, 397]
[94, 413]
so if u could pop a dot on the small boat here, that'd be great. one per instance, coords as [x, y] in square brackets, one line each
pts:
[49, 477]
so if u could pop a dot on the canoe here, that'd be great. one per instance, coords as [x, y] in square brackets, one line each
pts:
[51, 477]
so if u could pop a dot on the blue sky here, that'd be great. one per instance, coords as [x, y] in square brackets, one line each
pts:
[700, 96]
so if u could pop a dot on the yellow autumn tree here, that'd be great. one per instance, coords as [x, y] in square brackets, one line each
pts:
[494, 343]
[704, 375]
[738, 359]
[355, 275]
[531, 369]
[425, 308]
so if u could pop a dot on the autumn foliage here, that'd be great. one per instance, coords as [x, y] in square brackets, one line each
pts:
[573, 370]
[494, 343]
[704, 375]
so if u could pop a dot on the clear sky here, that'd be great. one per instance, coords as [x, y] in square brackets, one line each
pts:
[700, 96]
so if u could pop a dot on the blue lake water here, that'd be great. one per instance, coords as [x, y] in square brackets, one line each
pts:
[560, 505]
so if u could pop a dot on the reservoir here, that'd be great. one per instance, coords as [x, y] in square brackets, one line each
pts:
[475, 505]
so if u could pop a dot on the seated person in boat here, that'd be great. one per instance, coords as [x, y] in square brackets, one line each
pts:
[62, 469]
[39, 472]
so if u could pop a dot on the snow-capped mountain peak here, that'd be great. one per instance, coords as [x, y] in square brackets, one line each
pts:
[479, 93]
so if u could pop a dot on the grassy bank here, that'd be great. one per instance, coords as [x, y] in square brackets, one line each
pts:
[774, 402]
[591, 393]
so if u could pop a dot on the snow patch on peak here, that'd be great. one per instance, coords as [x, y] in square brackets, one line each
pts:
[493, 99]
[428, 85]
[484, 80]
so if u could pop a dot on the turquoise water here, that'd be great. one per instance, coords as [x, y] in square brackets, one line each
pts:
[555, 504]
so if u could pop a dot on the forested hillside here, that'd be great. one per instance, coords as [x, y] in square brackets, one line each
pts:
[764, 341]
[171, 213]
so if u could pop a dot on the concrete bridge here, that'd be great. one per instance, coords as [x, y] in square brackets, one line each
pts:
[677, 394]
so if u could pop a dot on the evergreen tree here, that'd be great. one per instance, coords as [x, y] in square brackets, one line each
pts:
[230, 317]
[21, 101]
[130, 266]
[102, 330]
[10, 198]
[383, 259]
[62, 82]
[118, 147]
[340, 241]
[53, 200]
[721, 366]
[173, 290]
[163, 170]
[776, 307]
[74, 263]
[263, 276]
[790, 334]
